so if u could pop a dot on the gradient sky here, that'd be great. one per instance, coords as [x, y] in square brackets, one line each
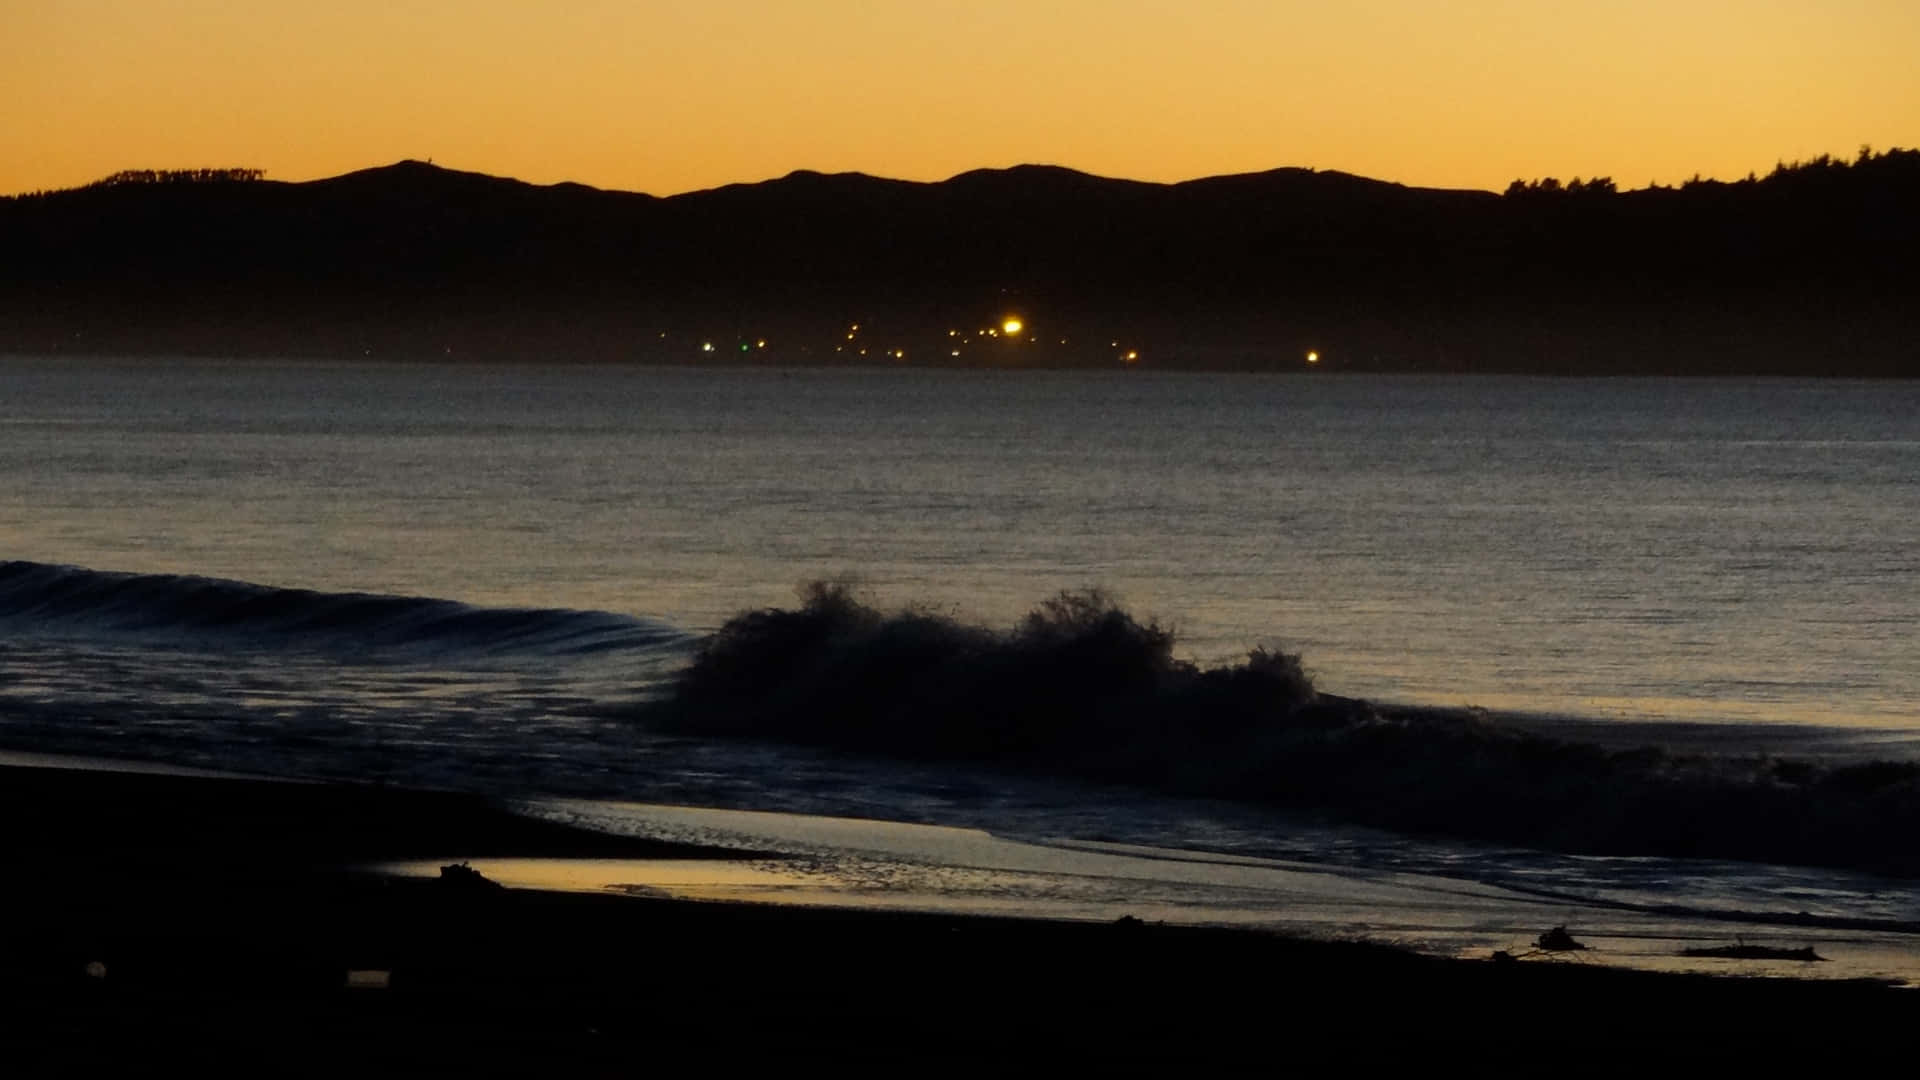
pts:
[671, 95]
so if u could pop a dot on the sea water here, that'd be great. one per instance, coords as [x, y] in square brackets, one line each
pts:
[468, 575]
[1680, 549]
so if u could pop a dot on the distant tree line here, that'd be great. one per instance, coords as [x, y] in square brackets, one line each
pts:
[1784, 173]
[1549, 186]
[135, 177]
[177, 176]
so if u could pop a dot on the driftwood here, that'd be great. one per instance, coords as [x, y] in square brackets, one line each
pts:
[1744, 951]
[1558, 940]
[1554, 942]
[465, 878]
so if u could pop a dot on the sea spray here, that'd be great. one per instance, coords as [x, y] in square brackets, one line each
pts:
[1082, 688]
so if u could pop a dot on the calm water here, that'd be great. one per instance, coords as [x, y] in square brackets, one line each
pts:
[1684, 549]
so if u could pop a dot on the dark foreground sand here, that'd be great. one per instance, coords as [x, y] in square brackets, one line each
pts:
[226, 915]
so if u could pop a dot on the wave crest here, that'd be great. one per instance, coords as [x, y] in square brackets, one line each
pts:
[1083, 689]
[190, 611]
[1078, 677]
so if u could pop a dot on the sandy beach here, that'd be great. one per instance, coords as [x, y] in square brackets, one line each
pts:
[216, 920]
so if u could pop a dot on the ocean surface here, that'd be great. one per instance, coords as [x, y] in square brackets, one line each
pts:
[473, 576]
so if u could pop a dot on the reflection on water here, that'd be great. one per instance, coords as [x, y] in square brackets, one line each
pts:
[878, 865]
[685, 878]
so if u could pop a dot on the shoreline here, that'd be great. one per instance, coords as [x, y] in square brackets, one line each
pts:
[227, 913]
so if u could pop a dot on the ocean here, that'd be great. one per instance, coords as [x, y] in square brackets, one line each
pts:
[482, 577]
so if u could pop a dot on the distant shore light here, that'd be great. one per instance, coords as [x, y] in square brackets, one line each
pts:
[1313, 356]
[1013, 325]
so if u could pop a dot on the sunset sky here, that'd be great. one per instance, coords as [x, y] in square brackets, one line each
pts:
[671, 95]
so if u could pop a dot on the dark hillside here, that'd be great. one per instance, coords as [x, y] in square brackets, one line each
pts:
[1805, 271]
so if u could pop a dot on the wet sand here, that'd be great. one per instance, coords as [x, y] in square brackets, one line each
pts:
[214, 922]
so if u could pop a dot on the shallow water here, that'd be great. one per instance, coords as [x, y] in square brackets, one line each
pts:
[876, 865]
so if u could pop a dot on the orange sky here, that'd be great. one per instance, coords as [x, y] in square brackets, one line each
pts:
[669, 95]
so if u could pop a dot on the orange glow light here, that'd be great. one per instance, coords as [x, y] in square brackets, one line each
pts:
[625, 95]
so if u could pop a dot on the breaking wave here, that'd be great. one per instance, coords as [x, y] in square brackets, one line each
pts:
[1081, 688]
[175, 610]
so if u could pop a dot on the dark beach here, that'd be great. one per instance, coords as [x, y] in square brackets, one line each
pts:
[226, 913]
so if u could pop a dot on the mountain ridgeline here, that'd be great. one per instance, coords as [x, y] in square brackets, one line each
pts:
[1805, 271]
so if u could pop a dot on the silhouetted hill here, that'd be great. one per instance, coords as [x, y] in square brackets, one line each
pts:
[1804, 271]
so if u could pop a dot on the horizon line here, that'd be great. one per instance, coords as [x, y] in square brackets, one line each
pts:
[429, 162]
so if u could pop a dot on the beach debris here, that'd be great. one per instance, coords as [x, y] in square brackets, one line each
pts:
[1556, 944]
[1558, 940]
[369, 979]
[1740, 950]
[95, 969]
[466, 879]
